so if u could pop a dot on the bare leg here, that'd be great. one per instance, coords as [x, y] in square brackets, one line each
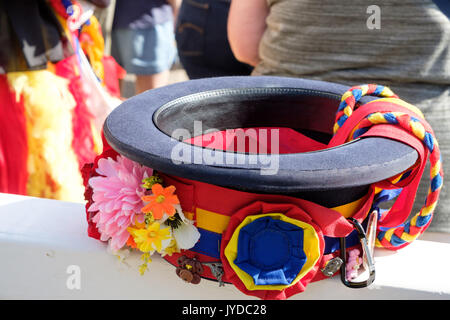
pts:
[147, 82]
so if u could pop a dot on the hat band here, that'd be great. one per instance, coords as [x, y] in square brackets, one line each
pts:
[212, 207]
[212, 222]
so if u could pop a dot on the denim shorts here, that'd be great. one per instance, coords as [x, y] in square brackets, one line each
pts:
[145, 51]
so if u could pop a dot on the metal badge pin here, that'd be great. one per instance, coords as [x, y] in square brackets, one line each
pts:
[216, 270]
[332, 266]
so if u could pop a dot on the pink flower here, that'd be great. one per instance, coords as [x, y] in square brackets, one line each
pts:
[117, 198]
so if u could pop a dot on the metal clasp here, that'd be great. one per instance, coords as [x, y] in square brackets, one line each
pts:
[367, 255]
[216, 270]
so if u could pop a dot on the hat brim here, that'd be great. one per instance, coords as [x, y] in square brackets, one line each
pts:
[141, 127]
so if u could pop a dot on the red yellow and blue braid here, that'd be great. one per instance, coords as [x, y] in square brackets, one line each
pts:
[402, 235]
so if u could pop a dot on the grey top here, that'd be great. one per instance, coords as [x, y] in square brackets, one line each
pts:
[339, 41]
[331, 39]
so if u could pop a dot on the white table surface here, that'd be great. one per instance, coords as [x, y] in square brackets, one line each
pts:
[40, 239]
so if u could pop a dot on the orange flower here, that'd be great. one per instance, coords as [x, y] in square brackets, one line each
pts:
[161, 201]
[131, 243]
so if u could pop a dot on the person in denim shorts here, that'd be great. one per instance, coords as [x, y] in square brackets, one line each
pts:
[143, 41]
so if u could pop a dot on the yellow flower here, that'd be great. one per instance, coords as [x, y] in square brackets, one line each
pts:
[150, 238]
[171, 249]
[146, 257]
[143, 268]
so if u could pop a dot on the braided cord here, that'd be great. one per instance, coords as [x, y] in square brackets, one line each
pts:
[399, 236]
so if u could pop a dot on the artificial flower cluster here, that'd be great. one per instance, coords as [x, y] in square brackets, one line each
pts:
[133, 210]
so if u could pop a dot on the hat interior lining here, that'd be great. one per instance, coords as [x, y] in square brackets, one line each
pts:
[308, 112]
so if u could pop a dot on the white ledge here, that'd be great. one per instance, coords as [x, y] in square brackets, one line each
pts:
[41, 238]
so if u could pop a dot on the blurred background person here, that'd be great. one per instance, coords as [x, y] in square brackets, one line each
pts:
[202, 41]
[405, 45]
[53, 93]
[143, 40]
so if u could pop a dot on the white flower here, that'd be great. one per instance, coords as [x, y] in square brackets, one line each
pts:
[186, 234]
